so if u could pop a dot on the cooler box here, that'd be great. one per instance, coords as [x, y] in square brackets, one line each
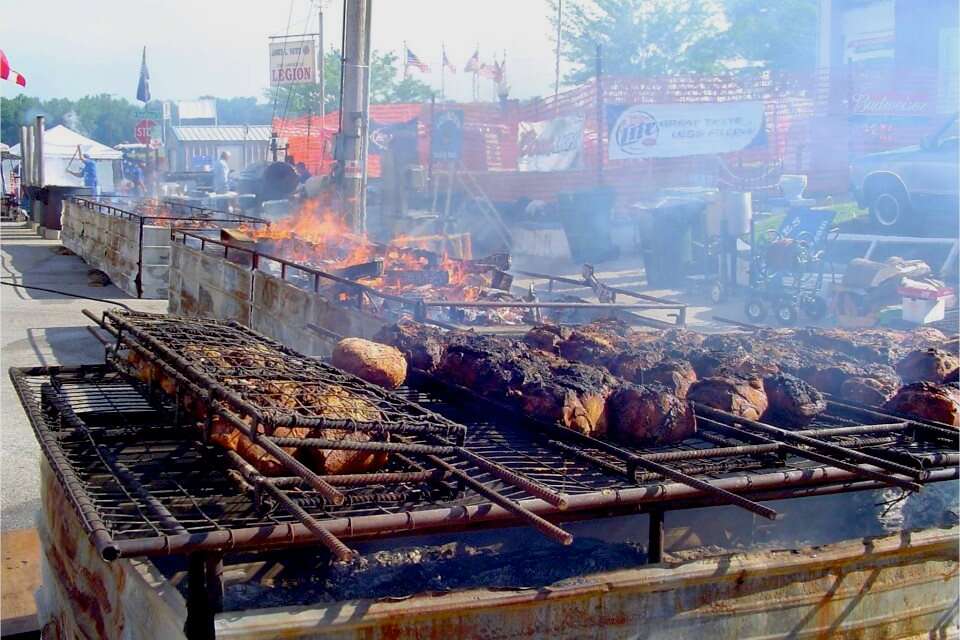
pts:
[924, 305]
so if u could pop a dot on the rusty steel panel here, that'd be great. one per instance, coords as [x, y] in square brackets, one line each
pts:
[894, 587]
[283, 311]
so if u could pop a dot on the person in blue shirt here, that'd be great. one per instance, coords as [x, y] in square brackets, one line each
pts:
[88, 173]
[136, 177]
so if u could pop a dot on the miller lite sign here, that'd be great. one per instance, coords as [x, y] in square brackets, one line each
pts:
[677, 130]
[293, 62]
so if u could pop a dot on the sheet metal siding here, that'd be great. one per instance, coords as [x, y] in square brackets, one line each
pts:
[222, 133]
[112, 245]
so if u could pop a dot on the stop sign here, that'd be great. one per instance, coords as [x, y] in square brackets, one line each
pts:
[142, 131]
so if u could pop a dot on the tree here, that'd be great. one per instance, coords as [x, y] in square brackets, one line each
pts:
[780, 35]
[638, 37]
[384, 87]
[15, 112]
[664, 37]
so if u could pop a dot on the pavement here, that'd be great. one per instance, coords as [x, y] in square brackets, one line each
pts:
[40, 328]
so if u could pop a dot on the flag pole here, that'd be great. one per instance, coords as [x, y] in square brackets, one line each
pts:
[556, 71]
[406, 66]
[443, 71]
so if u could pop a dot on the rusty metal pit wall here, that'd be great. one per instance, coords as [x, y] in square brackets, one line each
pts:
[205, 285]
[901, 586]
[112, 245]
[84, 597]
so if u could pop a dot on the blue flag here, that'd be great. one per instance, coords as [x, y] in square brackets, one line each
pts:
[143, 87]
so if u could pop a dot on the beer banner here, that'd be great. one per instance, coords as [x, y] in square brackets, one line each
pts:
[398, 137]
[677, 130]
[551, 145]
[446, 136]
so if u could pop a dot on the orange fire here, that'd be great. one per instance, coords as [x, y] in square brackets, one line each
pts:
[318, 237]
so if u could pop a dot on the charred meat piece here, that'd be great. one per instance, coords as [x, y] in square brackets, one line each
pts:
[722, 362]
[590, 346]
[928, 401]
[643, 415]
[742, 397]
[927, 365]
[869, 391]
[792, 401]
[677, 376]
[830, 379]
[867, 345]
[420, 344]
[491, 366]
[547, 337]
[380, 364]
[633, 364]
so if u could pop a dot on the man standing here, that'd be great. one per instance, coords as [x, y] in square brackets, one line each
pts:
[221, 171]
[88, 173]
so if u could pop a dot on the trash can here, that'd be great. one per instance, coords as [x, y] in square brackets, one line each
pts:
[585, 216]
[667, 239]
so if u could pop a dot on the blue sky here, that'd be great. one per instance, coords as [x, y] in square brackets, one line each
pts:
[70, 48]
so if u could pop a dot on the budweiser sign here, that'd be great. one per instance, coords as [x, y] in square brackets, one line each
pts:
[889, 105]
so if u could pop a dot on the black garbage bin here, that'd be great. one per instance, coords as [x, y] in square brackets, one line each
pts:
[667, 239]
[585, 216]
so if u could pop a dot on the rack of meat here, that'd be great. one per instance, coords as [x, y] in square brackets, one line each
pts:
[202, 436]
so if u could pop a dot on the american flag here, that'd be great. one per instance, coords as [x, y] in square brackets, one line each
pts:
[447, 64]
[414, 61]
[473, 64]
[6, 73]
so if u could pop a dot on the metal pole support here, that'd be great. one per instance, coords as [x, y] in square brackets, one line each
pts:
[655, 544]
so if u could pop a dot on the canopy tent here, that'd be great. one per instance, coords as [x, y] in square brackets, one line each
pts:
[60, 149]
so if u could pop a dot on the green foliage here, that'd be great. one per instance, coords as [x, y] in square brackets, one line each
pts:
[103, 117]
[666, 37]
[638, 37]
[384, 87]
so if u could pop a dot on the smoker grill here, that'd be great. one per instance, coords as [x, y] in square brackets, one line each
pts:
[144, 482]
[343, 288]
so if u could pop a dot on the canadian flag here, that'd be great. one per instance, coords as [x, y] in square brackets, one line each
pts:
[6, 73]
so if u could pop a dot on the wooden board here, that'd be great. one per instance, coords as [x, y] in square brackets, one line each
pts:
[20, 577]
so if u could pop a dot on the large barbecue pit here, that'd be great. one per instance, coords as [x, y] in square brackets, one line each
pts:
[140, 470]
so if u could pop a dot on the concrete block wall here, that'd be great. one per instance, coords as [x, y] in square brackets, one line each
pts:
[112, 245]
[206, 285]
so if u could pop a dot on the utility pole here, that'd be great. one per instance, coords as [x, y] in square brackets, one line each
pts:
[354, 107]
[320, 65]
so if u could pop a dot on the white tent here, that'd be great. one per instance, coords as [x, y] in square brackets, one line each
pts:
[60, 146]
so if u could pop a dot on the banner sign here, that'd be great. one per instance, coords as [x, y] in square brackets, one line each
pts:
[446, 137]
[399, 138]
[292, 62]
[551, 145]
[677, 130]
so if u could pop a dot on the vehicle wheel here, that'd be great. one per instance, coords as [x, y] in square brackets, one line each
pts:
[815, 308]
[788, 314]
[755, 311]
[890, 207]
[717, 294]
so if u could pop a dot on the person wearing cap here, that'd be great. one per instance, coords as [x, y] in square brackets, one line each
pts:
[221, 171]
[88, 173]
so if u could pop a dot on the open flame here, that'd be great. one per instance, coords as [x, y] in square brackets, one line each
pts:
[414, 266]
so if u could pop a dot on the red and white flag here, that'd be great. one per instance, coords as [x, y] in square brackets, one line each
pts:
[6, 73]
[446, 62]
[491, 71]
[473, 64]
[414, 61]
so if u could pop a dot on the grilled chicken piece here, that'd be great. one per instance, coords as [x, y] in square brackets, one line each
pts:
[547, 337]
[420, 344]
[927, 365]
[869, 391]
[792, 401]
[677, 376]
[643, 415]
[380, 364]
[928, 401]
[742, 397]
